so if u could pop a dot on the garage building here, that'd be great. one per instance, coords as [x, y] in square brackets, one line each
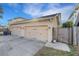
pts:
[36, 29]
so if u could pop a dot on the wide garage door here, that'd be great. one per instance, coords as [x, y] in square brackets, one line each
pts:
[37, 32]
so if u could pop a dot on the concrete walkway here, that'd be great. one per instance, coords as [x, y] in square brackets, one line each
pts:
[17, 46]
[59, 46]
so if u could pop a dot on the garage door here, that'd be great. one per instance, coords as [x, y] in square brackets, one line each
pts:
[37, 32]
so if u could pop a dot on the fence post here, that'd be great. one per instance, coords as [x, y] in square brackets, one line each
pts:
[74, 36]
[70, 35]
[68, 29]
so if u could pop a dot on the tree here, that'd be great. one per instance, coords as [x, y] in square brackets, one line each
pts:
[67, 24]
[1, 11]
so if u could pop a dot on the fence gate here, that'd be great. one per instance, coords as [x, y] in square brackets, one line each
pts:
[63, 35]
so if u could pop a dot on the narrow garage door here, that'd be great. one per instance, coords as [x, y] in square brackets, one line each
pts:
[37, 32]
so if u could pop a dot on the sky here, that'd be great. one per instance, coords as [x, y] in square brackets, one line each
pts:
[34, 10]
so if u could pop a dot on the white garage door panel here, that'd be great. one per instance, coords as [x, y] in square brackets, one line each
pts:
[38, 33]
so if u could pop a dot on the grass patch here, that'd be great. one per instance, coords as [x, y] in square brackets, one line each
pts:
[45, 51]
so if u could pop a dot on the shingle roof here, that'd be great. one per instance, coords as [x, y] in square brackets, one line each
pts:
[39, 18]
[49, 15]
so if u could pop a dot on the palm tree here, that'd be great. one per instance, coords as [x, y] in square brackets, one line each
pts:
[1, 11]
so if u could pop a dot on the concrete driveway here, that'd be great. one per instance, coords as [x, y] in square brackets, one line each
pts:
[18, 46]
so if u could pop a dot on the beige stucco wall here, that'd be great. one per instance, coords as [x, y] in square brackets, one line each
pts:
[54, 22]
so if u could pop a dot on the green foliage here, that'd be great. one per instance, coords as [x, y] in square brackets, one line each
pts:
[1, 10]
[45, 51]
[67, 24]
[1, 16]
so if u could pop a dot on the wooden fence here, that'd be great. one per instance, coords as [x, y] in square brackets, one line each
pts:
[63, 35]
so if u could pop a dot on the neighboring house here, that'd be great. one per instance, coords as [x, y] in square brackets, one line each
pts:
[4, 30]
[75, 15]
[1, 28]
[38, 29]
